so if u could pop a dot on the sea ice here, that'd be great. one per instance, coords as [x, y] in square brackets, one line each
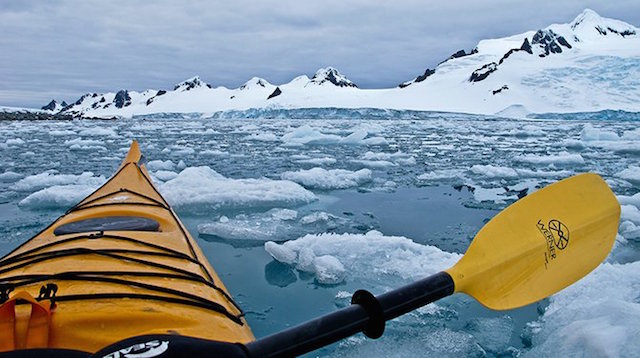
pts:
[201, 189]
[364, 255]
[562, 158]
[582, 321]
[161, 165]
[57, 196]
[631, 174]
[491, 171]
[320, 178]
[9, 177]
[51, 177]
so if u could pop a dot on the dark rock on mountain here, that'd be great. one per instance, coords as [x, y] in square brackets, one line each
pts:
[503, 88]
[549, 41]
[51, 106]
[122, 99]
[483, 72]
[526, 46]
[614, 31]
[159, 93]
[428, 72]
[275, 93]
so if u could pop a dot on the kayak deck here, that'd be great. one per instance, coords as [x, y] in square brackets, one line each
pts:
[118, 264]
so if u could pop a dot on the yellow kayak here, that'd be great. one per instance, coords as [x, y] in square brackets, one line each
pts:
[118, 264]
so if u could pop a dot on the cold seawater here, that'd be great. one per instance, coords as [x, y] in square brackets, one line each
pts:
[295, 215]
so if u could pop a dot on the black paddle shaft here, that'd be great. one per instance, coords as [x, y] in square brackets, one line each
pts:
[367, 314]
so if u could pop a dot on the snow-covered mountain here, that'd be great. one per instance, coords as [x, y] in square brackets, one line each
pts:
[589, 64]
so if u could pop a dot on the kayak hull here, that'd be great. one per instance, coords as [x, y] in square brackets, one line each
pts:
[120, 264]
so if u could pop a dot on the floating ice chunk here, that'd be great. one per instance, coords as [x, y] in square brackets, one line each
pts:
[329, 270]
[375, 141]
[213, 153]
[528, 173]
[263, 137]
[51, 178]
[272, 225]
[281, 253]
[161, 165]
[631, 213]
[319, 216]
[203, 189]
[307, 135]
[629, 230]
[491, 171]
[631, 174]
[562, 158]
[376, 164]
[630, 200]
[61, 133]
[14, 141]
[495, 195]
[366, 255]
[442, 175]
[321, 178]
[164, 175]
[582, 321]
[283, 214]
[318, 161]
[57, 196]
[83, 143]
[98, 132]
[9, 177]
[591, 134]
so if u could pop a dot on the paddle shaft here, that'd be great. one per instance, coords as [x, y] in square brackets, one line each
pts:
[367, 314]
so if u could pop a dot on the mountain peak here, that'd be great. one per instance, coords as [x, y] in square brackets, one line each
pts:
[256, 82]
[333, 76]
[589, 23]
[191, 83]
[586, 16]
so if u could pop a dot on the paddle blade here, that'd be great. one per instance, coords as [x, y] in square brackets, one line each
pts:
[540, 244]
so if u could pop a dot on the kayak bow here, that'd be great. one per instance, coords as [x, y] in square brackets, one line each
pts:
[118, 264]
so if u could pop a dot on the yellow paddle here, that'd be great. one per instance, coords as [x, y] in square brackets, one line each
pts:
[532, 249]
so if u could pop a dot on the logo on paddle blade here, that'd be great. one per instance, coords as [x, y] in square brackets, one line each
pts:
[556, 236]
[561, 233]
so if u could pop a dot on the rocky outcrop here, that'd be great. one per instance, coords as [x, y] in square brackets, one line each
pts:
[483, 72]
[549, 42]
[331, 75]
[51, 106]
[122, 99]
[275, 93]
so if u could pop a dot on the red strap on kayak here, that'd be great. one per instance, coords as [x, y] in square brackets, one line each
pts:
[12, 335]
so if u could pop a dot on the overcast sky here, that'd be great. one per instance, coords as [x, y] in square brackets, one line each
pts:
[62, 49]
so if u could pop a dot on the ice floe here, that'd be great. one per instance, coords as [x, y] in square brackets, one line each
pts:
[320, 178]
[52, 177]
[599, 316]
[202, 189]
[562, 158]
[360, 256]
[57, 196]
[307, 135]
